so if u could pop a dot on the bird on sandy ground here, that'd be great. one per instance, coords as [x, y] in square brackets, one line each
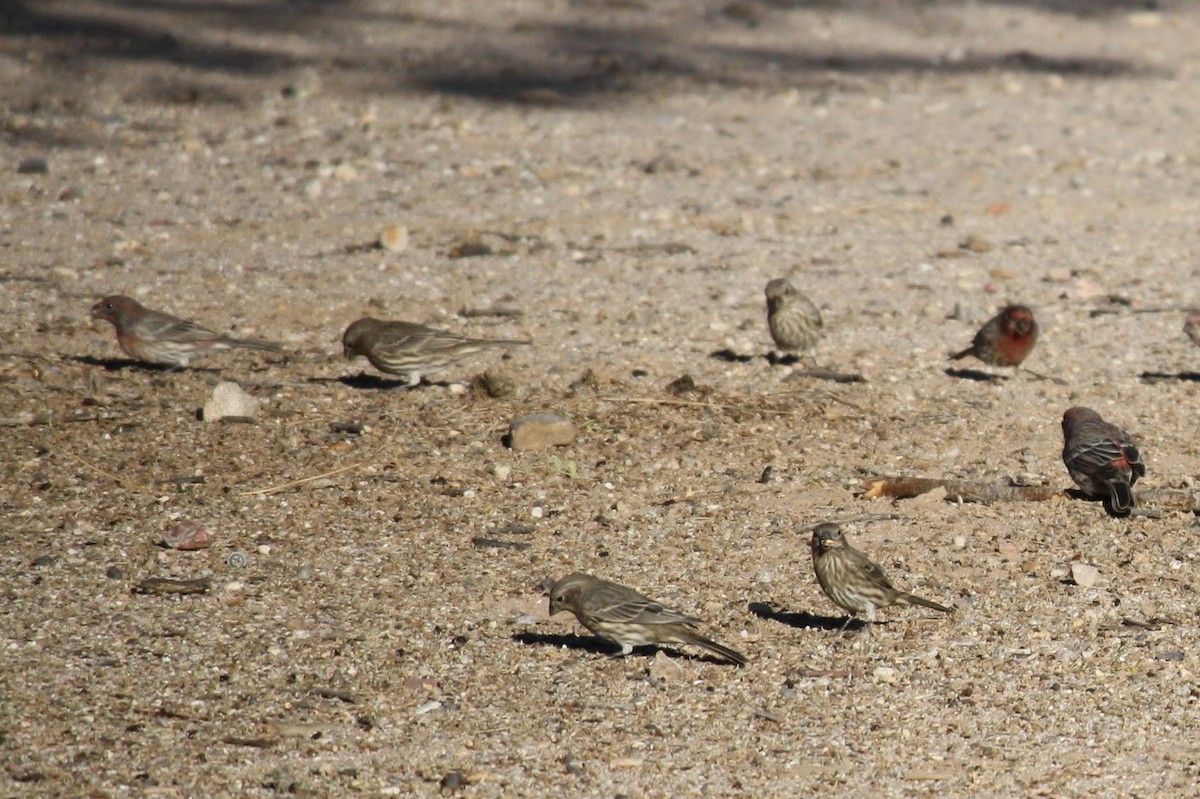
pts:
[1191, 326]
[411, 350]
[793, 319]
[159, 338]
[1102, 459]
[626, 618]
[1004, 340]
[852, 580]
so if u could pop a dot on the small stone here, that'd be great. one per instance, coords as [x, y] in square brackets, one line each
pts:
[539, 430]
[188, 536]
[1084, 575]
[33, 166]
[886, 674]
[229, 400]
[44, 560]
[666, 669]
[976, 243]
[394, 238]
[502, 472]
[493, 384]
[114, 573]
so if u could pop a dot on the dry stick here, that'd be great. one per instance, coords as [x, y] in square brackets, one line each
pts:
[1159, 499]
[301, 481]
[693, 404]
[122, 480]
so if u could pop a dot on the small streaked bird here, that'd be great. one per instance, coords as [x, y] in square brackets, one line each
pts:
[852, 580]
[159, 338]
[1191, 326]
[1101, 459]
[793, 319]
[628, 619]
[411, 350]
[1004, 340]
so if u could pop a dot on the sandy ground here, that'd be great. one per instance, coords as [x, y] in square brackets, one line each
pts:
[637, 171]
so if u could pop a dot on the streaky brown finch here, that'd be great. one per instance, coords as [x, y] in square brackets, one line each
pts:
[1004, 340]
[793, 319]
[411, 350]
[159, 338]
[852, 580]
[628, 619]
[1191, 326]
[1102, 459]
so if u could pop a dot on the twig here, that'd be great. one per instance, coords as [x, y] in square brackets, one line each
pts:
[301, 481]
[693, 404]
[122, 480]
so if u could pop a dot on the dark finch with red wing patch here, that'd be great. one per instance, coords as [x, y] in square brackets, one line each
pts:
[1101, 459]
[1004, 340]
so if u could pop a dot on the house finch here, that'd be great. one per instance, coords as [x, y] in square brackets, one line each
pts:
[852, 580]
[1004, 340]
[628, 619]
[1191, 326]
[794, 321]
[404, 348]
[159, 338]
[1102, 459]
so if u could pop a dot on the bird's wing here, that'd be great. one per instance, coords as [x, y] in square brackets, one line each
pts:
[1098, 456]
[642, 611]
[172, 328]
[873, 571]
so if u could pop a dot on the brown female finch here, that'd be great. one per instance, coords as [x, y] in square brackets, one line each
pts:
[159, 338]
[1102, 459]
[1191, 326]
[628, 619]
[852, 580]
[405, 348]
[794, 321]
[1004, 340]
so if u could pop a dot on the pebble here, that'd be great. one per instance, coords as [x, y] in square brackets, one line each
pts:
[188, 536]
[33, 166]
[538, 431]
[1084, 575]
[229, 400]
[886, 674]
[666, 669]
[394, 238]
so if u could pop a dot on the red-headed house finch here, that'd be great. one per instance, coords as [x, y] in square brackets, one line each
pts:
[793, 319]
[1102, 459]
[159, 338]
[1004, 340]
[408, 349]
[627, 618]
[1191, 326]
[852, 580]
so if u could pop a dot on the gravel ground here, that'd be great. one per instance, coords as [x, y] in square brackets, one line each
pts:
[628, 176]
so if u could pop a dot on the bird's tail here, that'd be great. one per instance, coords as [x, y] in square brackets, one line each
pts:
[913, 599]
[1121, 501]
[252, 344]
[960, 355]
[720, 650]
[504, 342]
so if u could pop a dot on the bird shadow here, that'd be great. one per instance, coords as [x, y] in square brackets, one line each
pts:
[1163, 377]
[974, 374]
[729, 356]
[805, 620]
[599, 646]
[369, 382]
[121, 364]
[786, 359]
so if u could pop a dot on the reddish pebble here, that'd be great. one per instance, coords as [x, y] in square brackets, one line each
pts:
[187, 536]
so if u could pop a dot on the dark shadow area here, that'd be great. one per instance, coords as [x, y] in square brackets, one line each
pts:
[776, 359]
[729, 356]
[533, 59]
[599, 646]
[805, 620]
[1169, 377]
[974, 374]
[364, 381]
[827, 374]
[121, 364]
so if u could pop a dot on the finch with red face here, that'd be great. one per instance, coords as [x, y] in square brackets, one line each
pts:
[412, 350]
[1101, 459]
[852, 580]
[1004, 340]
[159, 338]
[793, 319]
[626, 618]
